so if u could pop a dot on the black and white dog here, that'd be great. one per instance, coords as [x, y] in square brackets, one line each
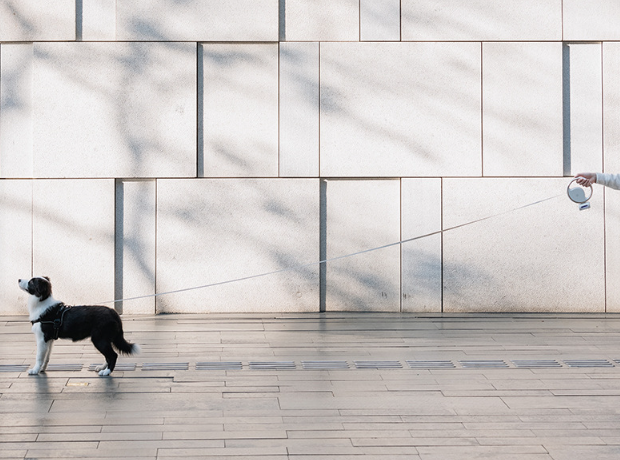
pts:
[52, 319]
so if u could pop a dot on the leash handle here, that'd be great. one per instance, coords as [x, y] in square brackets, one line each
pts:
[577, 194]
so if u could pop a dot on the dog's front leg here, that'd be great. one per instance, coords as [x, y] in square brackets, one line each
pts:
[42, 350]
[48, 353]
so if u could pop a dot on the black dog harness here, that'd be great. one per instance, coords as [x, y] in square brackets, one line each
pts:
[55, 316]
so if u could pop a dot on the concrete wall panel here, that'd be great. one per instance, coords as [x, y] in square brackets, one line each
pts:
[73, 238]
[386, 109]
[611, 119]
[240, 110]
[591, 20]
[362, 214]
[16, 62]
[612, 248]
[481, 20]
[380, 20]
[545, 257]
[299, 109]
[421, 258]
[15, 243]
[114, 109]
[135, 245]
[36, 20]
[321, 20]
[611, 107]
[586, 107]
[197, 20]
[216, 230]
[522, 109]
[98, 20]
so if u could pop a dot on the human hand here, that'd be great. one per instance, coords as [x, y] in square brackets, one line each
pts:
[586, 179]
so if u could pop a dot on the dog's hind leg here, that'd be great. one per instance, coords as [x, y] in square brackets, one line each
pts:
[105, 348]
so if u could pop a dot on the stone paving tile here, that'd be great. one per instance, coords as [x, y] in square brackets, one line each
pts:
[421, 414]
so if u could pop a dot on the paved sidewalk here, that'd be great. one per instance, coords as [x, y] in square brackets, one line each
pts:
[322, 386]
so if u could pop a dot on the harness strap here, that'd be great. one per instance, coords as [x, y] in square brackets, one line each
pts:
[57, 322]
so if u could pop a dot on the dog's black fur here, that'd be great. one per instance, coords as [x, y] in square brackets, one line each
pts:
[102, 324]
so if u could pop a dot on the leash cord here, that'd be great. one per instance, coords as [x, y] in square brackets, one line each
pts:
[298, 267]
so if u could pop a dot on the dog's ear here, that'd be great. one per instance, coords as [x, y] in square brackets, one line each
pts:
[42, 288]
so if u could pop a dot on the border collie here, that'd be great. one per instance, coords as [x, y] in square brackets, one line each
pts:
[52, 319]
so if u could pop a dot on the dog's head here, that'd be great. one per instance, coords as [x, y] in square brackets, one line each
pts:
[40, 287]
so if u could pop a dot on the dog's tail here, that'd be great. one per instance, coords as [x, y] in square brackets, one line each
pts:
[125, 347]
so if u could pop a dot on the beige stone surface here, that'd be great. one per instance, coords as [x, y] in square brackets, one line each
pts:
[73, 238]
[612, 247]
[421, 259]
[594, 20]
[197, 20]
[611, 107]
[217, 230]
[522, 109]
[322, 20]
[611, 149]
[586, 107]
[544, 257]
[379, 118]
[362, 215]
[36, 20]
[380, 20]
[135, 248]
[15, 243]
[482, 20]
[239, 110]
[16, 62]
[98, 20]
[114, 109]
[299, 109]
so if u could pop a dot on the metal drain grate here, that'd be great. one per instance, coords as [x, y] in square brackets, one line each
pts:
[219, 366]
[536, 363]
[118, 367]
[431, 364]
[320, 365]
[484, 364]
[13, 367]
[273, 365]
[378, 365]
[588, 363]
[65, 367]
[165, 366]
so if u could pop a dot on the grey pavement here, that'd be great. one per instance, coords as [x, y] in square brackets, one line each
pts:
[322, 386]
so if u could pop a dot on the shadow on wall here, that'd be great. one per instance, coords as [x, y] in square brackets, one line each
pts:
[115, 109]
[216, 230]
[386, 109]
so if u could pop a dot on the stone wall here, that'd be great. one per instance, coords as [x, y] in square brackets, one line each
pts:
[149, 146]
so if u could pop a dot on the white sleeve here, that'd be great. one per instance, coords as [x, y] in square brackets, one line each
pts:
[609, 180]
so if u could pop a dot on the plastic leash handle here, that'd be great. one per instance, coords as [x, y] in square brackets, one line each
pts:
[577, 194]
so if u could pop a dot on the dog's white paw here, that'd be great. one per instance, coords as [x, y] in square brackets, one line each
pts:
[105, 372]
[33, 371]
[100, 368]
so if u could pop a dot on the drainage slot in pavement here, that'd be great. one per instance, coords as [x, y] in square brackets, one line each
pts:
[165, 366]
[488, 364]
[378, 365]
[273, 365]
[320, 365]
[431, 364]
[219, 366]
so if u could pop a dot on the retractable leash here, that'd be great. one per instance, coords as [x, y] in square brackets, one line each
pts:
[577, 194]
[298, 267]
